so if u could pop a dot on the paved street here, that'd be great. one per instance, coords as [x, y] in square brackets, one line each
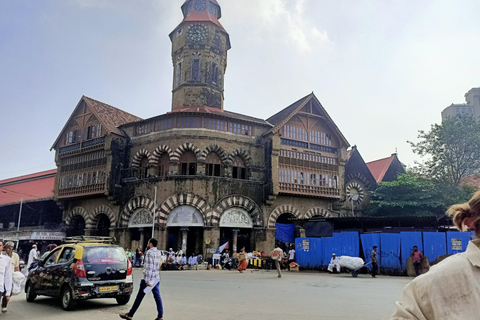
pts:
[222, 294]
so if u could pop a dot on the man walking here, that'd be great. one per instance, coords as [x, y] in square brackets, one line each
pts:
[151, 279]
[6, 283]
[32, 257]
[373, 257]
[14, 266]
[277, 256]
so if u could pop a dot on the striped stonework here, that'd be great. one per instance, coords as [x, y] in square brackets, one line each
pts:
[278, 211]
[134, 204]
[242, 154]
[139, 156]
[181, 199]
[103, 210]
[187, 146]
[80, 211]
[218, 150]
[360, 177]
[213, 217]
[316, 211]
[153, 161]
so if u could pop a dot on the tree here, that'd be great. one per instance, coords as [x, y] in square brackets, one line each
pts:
[452, 150]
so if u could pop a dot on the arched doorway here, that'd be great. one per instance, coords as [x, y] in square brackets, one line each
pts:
[236, 229]
[76, 226]
[102, 226]
[185, 230]
[285, 231]
[140, 226]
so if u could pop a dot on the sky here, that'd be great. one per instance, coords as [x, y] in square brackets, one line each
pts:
[382, 69]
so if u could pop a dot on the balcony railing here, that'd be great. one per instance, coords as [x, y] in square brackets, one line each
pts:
[309, 190]
[82, 146]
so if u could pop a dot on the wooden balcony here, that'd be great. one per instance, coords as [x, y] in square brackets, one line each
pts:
[307, 190]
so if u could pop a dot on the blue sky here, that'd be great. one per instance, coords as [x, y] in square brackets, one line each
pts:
[382, 69]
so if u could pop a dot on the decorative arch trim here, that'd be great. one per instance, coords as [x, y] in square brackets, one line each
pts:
[360, 177]
[134, 204]
[242, 154]
[213, 217]
[179, 199]
[187, 146]
[153, 161]
[139, 156]
[317, 211]
[219, 150]
[278, 211]
[79, 211]
[104, 210]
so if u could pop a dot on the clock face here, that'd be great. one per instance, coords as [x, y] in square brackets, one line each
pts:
[197, 33]
[355, 192]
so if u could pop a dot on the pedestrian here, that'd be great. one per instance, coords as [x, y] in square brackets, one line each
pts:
[6, 278]
[151, 278]
[277, 256]
[417, 256]
[291, 256]
[32, 257]
[14, 266]
[373, 257]
[333, 265]
[137, 262]
[450, 289]
[242, 261]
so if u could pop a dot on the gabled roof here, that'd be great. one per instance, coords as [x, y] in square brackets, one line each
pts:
[36, 186]
[109, 117]
[379, 168]
[357, 168]
[282, 117]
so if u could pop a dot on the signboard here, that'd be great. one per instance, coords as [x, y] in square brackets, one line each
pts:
[456, 244]
[306, 245]
[48, 235]
[236, 218]
[185, 216]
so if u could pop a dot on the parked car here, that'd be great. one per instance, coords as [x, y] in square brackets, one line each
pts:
[82, 268]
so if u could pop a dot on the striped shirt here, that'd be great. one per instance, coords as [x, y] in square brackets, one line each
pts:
[151, 266]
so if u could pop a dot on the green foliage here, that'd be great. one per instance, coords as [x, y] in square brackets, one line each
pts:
[451, 149]
[414, 195]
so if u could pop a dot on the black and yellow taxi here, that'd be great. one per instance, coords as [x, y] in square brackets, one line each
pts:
[82, 268]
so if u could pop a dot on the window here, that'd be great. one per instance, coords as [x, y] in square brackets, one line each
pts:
[214, 73]
[94, 131]
[67, 255]
[188, 164]
[178, 74]
[52, 258]
[163, 165]
[196, 70]
[73, 136]
[213, 165]
[143, 170]
[238, 169]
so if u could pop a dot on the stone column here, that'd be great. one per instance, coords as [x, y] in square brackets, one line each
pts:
[184, 239]
[142, 239]
[234, 246]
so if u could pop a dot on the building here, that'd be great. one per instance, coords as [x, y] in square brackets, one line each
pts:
[386, 169]
[470, 108]
[28, 212]
[199, 175]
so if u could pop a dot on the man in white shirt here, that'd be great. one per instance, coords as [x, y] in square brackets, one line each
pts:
[14, 266]
[277, 256]
[333, 264]
[6, 283]
[291, 256]
[32, 257]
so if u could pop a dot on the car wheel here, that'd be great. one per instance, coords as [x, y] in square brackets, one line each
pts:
[68, 303]
[30, 294]
[121, 300]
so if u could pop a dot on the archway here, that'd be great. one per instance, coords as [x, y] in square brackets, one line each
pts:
[102, 227]
[285, 231]
[76, 226]
[185, 229]
[140, 226]
[236, 228]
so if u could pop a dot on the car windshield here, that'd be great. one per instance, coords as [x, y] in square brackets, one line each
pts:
[104, 255]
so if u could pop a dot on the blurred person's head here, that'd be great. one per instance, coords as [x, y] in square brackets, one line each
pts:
[467, 215]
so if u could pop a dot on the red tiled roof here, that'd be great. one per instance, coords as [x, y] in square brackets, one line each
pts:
[378, 168]
[34, 186]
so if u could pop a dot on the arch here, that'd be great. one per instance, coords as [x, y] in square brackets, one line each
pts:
[184, 147]
[219, 150]
[132, 205]
[316, 211]
[153, 160]
[242, 154]
[360, 177]
[105, 210]
[213, 217]
[138, 157]
[80, 211]
[179, 199]
[286, 208]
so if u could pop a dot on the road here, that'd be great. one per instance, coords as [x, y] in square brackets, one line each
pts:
[222, 294]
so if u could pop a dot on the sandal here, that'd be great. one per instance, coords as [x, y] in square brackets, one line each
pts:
[125, 316]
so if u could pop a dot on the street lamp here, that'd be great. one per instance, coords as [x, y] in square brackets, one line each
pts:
[19, 217]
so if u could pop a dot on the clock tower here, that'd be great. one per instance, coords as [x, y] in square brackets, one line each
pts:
[199, 56]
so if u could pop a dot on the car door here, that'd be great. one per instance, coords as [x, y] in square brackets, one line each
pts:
[63, 269]
[41, 276]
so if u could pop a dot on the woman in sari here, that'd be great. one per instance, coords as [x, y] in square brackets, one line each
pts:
[242, 261]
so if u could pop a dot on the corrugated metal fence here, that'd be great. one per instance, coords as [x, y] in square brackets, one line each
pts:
[393, 248]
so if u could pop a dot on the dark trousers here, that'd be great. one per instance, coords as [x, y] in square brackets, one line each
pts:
[374, 269]
[417, 265]
[3, 296]
[141, 294]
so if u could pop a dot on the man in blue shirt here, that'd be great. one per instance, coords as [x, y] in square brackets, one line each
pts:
[151, 278]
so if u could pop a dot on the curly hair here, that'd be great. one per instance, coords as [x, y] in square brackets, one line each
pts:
[471, 209]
